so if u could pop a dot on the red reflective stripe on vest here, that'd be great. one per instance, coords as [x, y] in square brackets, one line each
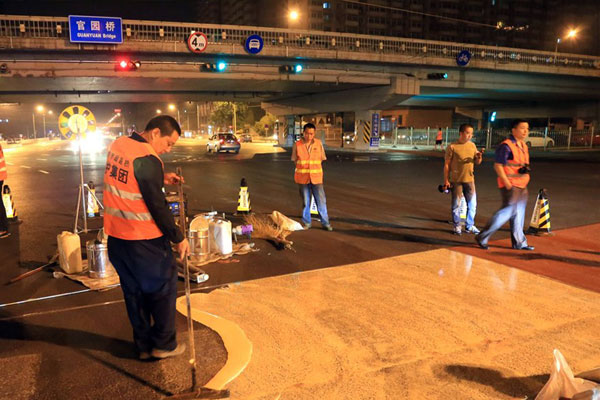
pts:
[308, 165]
[126, 215]
[511, 169]
[3, 170]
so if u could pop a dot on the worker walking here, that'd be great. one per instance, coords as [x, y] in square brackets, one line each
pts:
[140, 229]
[3, 218]
[512, 168]
[461, 157]
[308, 154]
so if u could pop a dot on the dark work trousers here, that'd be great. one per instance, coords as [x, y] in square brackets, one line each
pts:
[148, 275]
[3, 219]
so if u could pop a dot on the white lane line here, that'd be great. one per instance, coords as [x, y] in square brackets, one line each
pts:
[43, 172]
[42, 159]
[25, 166]
[9, 163]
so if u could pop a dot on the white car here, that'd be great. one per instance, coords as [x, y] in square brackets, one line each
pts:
[536, 139]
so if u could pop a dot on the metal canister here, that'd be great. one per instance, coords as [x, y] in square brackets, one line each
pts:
[199, 244]
[99, 265]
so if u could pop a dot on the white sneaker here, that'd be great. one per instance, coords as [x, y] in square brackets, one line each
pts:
[473, 229]
[457, 230]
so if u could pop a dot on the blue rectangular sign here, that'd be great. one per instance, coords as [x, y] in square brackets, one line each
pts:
[85, 29]
[374, 130]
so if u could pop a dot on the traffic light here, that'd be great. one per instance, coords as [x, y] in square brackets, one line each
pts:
[219, 66]
[291, 69]
[127, 65]
[437, 75]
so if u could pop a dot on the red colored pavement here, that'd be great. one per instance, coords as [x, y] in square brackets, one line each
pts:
[571, 256]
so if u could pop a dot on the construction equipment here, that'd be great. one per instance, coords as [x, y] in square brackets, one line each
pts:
[194, 392]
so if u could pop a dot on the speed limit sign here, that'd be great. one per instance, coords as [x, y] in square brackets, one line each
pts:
[197, 42]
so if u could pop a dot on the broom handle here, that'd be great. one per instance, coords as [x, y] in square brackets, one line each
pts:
[186, 274]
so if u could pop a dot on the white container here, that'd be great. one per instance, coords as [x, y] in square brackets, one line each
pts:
[219, 231]
[69, 252]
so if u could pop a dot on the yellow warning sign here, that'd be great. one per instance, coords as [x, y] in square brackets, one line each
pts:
[76, 120]
[367, 131]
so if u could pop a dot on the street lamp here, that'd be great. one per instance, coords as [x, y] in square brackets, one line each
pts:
[172, 107]
[39, 109]
[293, 15]
[570, 35]
[158, 111]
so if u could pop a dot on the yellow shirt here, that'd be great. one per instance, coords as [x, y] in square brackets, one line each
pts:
[462, 161]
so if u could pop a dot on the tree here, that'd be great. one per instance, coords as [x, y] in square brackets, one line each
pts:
[222, 115]
[267, 119]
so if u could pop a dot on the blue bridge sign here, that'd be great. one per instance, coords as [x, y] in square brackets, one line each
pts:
[85, 29]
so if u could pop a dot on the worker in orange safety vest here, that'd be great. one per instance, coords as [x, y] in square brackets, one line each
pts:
[140, 229]
[308, 154]
[512, 168]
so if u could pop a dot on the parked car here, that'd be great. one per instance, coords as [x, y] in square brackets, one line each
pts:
[583, 139]
[12, 140]
[223, 142]
[349, 137]
[536, 139]
[246, 138]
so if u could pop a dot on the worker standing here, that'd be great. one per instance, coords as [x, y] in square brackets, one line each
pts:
[308, 154]
[438, 139]
[512, 168]
[3, 218]
[140, 229]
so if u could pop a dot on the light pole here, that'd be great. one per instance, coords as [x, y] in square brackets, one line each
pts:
[571, 34]
[172, 107]
[234, 118]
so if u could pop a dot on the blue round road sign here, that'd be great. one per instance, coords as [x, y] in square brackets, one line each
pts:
[463, 58]
[254, 44]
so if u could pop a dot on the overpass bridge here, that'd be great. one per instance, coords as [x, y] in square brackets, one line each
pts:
[342, 72]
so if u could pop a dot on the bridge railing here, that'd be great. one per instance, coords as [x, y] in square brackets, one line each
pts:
[539, 138]
[17, 27]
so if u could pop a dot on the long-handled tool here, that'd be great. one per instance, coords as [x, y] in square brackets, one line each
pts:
[34, 271]
[195, 392]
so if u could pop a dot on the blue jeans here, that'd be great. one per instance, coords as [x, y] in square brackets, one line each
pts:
[514, 202]
[468, 190]
[319, 193]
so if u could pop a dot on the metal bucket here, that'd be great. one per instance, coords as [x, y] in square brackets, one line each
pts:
[98, 264]
[199, 244]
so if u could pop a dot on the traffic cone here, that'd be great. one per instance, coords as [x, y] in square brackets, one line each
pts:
[313, 206]
[92, 205]
[540, 219]
[463, 208]
[9, 204]
[244, 199]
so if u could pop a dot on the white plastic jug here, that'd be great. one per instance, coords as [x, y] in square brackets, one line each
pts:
[69, 252]
[219, 231]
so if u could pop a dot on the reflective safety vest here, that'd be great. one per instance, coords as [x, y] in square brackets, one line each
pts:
[308, 165]
[520, 154]
[3, 171]
[439, 135]
[126, 215]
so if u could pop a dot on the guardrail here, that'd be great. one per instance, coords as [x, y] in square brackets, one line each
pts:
[19, 27]
[491, 138]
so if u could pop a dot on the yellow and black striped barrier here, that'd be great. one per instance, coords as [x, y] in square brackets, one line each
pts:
[367, 132]
[540, 219]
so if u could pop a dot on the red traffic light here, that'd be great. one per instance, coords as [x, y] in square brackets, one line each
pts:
[127, 65]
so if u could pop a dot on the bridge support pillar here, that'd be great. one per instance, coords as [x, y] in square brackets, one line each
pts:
[367, 129]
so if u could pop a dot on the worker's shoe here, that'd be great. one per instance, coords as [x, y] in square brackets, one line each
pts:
[145, 356]
[530, 248]
[472, 229]
[328, 228]
[457, 230]
[157, 353]
[306, 226]
[478, 240]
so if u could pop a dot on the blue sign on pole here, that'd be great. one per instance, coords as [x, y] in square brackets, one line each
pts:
[374, 130]
[254, 44]
[463, 58]
[85, 29]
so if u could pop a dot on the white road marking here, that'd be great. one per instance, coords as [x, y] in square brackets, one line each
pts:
[42, 159]
[9, 163]
[25, 166]
[43, 172]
